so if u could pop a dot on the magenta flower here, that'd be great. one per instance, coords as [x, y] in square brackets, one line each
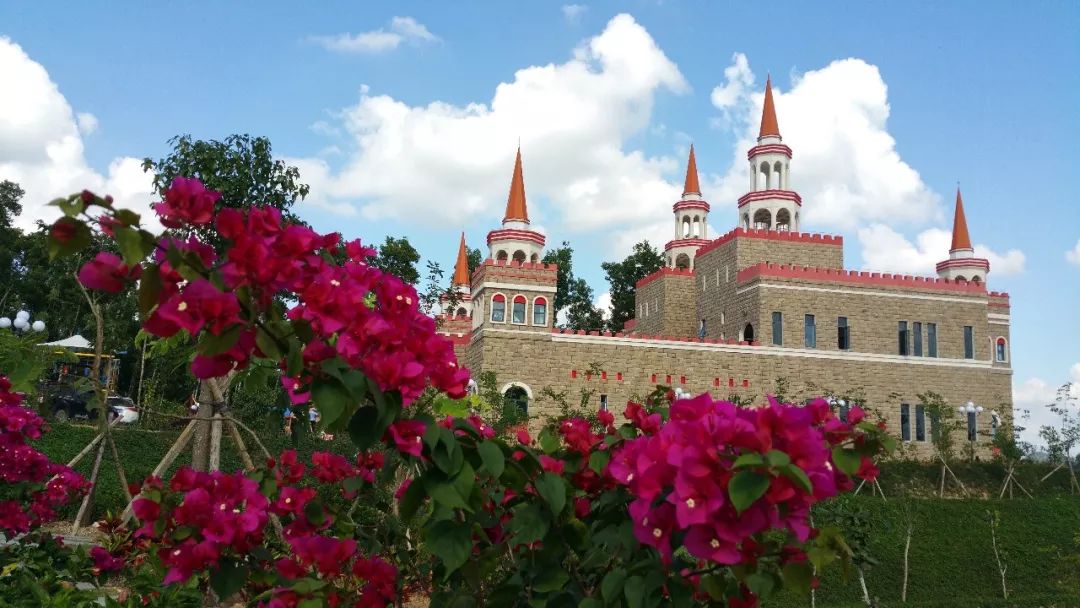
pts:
[108, 273]
[408, 436]
[187, 201]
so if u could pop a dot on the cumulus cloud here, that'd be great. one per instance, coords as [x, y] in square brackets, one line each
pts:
[846, 165]
[41, 145]
[1030, 400]
[1073, 255]
[573, 12]
[401, 30]
[603, 302]
[447, 164]
[887, 250]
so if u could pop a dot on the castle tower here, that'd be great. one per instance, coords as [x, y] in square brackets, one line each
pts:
[770, 204]
[459, 283]
[515, 241]
[962, 264]
[691, 221]
[513, 290]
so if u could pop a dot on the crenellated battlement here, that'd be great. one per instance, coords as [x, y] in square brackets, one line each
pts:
[999, 299]
[785, 271]
[773, 235]
[664, 272]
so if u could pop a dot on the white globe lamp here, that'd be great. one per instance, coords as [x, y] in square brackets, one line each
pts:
[38, 326]
[5, 322]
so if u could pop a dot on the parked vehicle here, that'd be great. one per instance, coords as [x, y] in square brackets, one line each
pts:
[124, 409]
[71, 404]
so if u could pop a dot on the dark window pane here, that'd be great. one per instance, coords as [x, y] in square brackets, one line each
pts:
[916, 334]
[902, 337]
[905, 422]
[969, 342]
[843, 335]
[920, 423]
[810, 333]
[931, 339]
[777, 329]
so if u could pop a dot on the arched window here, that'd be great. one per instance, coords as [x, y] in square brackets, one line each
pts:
[1001, 354]
[461, 312]
[519, 256]
[498, 308]
[762, 219]
[779, 185]
[540, 311]
[501, 255]
[518, 397]
[748, 333]
[519, 310]
[697, 227]
[535, 258]
[961, 278]
[682, 261]
[975, 279]
[783, 220]
[686, 230]
[765, 177]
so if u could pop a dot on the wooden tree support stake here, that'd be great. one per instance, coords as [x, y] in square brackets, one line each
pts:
[85, 506]
[119, 467]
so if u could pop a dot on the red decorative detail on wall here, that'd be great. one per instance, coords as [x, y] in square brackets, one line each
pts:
[685, 243]
[731, 382]
[773, 235]
[667, 380]
[603, 375]
[663, 272]
[509, 234]
[716, 382]
[767, 148]
[981, 263]
[573, 373]
[745, 382]
[618, 376]
[683, 205]
[682, 379]
[856, 277]
[653, 380]
[761, 195]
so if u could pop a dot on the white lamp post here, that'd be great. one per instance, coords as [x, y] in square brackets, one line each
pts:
[22, 323]
[971, 412]
[841, 408]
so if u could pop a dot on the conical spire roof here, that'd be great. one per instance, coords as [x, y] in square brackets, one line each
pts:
[461, 267]
[516, 210]
[960, 237]
[769, 126]
[691, 186]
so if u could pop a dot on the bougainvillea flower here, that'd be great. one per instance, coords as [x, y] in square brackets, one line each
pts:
[108, 273]
[187, 201]
[408, 436]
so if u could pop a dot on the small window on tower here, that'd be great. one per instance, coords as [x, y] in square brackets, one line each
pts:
[519, 310]
[969, 342]
[540, 311]
[902, 339]
[843, 334]
[603, 403]
[498, 308]
[999, 350]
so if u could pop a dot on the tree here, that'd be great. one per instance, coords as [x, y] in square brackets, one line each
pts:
[10, 208]
[581, 313]
[242, 168]
[475, 259]
[563, 256]
[399, 258]
[623, 277]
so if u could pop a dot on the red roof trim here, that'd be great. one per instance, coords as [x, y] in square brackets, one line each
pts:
[507, 234]
[767, 148]
[685, 243]
[663, 272]
[681, 205]
[774, 235]
[982, 263]
[760, 195]
[833, 275]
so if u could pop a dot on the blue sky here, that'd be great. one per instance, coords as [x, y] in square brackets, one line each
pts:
[981, 93]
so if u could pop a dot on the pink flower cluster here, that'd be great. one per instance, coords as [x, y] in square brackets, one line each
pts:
[34, 486]
[366, 317]
[679, 473]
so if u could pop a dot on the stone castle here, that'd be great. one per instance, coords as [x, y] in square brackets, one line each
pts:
[734, 314]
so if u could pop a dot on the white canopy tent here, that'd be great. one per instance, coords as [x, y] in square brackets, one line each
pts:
[76, 342]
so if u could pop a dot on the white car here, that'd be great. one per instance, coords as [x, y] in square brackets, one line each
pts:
[124, 409]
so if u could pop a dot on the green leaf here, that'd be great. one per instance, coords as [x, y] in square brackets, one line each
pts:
[447, 453]
[352, 485]
[492, 457]
[411, 500]
[550, 579]
[332, 399]
[552, 489]
[80, 238]
[634, 590]
[528, 523]
[267, 344]
[598, 461]
[228, 578]
[149, 290]
[846, 460]
[364, 427]
[451, 542]
[442, 491]
[131, 244]
[796, 474]
[590, 603]
[749, 460]
[445, 406]
[745, 488]
[72, 206]
[314, 513]
[798, 575]
[776, 458]
[549, 442]
[713, 584]
[211, 345]
[761, 584]
[305, 586]
[611, 586]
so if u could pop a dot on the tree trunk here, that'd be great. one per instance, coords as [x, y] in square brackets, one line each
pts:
[907, 550]
[211, 398]
[941, 492]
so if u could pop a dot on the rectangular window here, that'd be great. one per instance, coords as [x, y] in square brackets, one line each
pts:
[718, 276]
[920, 422]
[603, 403]
[778, 329]
[905, 422]
[916, 334]
[843, 335]
[969, 342]
[931, 339]
[498, 309]
[810, 332]
[902, 337]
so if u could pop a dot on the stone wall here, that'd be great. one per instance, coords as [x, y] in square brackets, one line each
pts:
[665, 304]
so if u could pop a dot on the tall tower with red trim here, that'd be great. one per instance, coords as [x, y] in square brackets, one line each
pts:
[516, 240]
[691, 221]
[770, 204]
[962, 264]
[460, 284]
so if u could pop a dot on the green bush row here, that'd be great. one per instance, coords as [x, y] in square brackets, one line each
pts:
[982, 479]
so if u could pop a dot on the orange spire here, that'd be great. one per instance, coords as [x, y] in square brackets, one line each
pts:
[691, 185]
[960, 237]
[461, 267]
[515, 204]
[769, 127]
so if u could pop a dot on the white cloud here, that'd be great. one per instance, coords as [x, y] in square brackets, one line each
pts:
[402, 30]
[885, 249]
[443, 163]
[1073, 255]
[1031, 397]
[603, 302]
[41, 146]
[846, 166]
[573, 12]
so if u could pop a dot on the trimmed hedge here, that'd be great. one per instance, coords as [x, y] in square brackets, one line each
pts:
[951, 559]
[982, 479]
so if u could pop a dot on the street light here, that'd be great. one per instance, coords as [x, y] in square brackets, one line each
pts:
[972, 411]
[841, 407]
[22, 322]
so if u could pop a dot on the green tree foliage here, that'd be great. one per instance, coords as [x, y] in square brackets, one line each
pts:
[581, 313]
[564, 257]
[242, 168]
[475, 259]
[398, 257]
[10, 208]
[623, 277]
